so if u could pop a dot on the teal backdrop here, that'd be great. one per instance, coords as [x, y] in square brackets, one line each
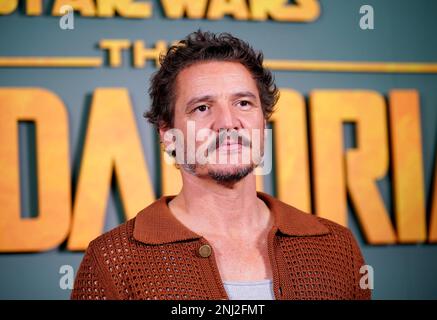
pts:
[405, 31]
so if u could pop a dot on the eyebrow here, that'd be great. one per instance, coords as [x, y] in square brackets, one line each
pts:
[244, 94]
[198, 99]
[211, 98]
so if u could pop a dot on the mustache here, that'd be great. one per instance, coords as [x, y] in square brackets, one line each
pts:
[234, 137]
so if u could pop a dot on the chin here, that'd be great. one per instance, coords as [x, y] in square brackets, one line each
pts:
[229, 173]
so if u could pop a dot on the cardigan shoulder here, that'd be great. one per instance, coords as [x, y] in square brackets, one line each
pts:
[117, 266]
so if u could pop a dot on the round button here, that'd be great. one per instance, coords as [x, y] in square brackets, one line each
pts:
[205, 250]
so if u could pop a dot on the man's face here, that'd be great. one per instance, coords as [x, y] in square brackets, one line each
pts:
[218, 97]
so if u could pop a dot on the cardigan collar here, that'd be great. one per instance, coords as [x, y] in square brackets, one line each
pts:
[156, 224]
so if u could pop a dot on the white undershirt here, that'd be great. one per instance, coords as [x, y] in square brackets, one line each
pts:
[250, 290]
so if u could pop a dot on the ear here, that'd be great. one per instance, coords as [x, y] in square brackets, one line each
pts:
[162, 129]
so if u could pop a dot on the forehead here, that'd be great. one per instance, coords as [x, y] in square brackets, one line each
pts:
[216, 78]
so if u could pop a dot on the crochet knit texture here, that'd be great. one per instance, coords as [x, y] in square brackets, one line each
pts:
[154, 256]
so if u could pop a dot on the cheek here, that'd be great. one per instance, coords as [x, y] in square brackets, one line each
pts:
[254, 120]
[178, 118]
[182, 123]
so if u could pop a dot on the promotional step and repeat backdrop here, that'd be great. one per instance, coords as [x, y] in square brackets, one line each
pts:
[354, 135]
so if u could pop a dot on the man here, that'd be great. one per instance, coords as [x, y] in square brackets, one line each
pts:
[219, 238]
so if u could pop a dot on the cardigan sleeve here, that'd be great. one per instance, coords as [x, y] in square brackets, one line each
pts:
[91, 282]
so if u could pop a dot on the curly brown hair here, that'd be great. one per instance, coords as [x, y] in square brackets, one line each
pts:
[202, 46]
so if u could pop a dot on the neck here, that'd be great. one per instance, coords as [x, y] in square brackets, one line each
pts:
[208, 207]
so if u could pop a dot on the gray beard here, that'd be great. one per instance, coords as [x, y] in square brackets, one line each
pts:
[222, 177]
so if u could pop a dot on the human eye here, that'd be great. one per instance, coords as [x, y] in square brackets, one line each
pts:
[245, 104]
[200, 109]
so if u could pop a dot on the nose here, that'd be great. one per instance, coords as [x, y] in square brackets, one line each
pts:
[226, 118]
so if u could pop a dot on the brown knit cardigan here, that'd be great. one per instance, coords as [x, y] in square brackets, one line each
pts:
[154, 256]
